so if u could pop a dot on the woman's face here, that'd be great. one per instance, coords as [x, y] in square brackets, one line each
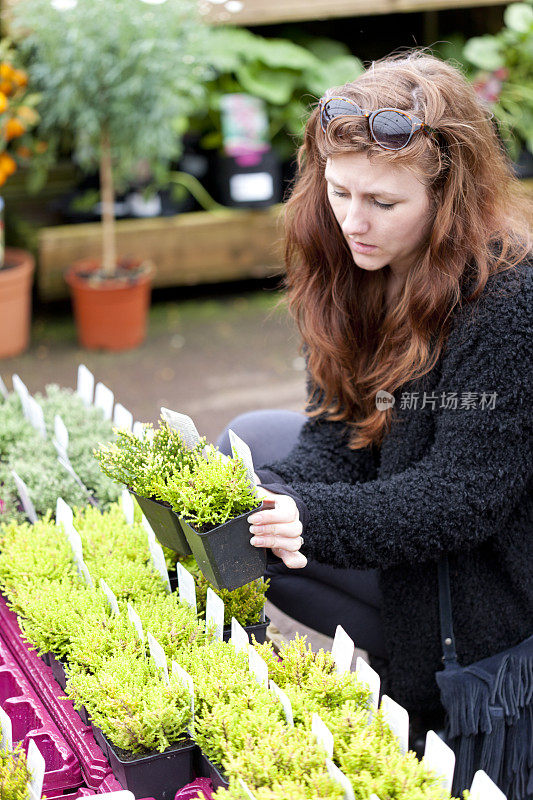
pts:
[382, 211]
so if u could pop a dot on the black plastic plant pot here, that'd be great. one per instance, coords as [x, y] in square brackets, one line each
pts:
[157, 775]
[225, 555]
[165, 524]
[205, 768]
[100, 739]
[58, 670]
[258, 630]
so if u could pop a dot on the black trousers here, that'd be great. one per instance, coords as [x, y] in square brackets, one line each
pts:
[318, 595]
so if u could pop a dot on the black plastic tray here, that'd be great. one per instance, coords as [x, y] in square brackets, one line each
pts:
[165, 524]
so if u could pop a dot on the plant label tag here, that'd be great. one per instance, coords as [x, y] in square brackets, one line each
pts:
[60, 433]
[323, 735]
[127, 506]
[484, 788]
[214, 613]
[64, 513]
[36, 416]
[3, 389]
[342, 650]
[85, 387]
[241, 450]
[257, 666]
[122, 418]
[367, 675]
[22, 390]
[284, 700]
[27, 505]
[440, 758]
[6, 743]
[397, 718]
[158, 560]
[148, 528]
[74, 539]
[183, 424]
[135, 620]
[83, 572]
[36, 767]
[186, 587]
[138, 430]
[338, 776]
[111, 597]
[239, 637]
[183, 676]
[104, 399]
[373, 797]
[245, 789]
[158, 654]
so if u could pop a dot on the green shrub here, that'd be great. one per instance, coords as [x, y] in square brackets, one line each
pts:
[14, 775]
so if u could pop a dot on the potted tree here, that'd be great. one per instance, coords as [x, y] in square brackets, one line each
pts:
[17, 146]
[122, 81]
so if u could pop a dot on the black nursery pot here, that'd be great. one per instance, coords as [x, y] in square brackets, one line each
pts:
[165, 524]
[157, 775]
[58, 670]
[207, 769]
[225, 555]
[256, 185]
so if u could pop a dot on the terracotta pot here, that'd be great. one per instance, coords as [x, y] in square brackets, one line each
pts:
[15, 301]
[111, 315]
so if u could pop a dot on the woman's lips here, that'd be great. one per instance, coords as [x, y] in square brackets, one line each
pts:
[362, 248]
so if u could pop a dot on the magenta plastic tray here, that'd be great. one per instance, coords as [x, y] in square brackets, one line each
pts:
[30, 720]
[95, 771]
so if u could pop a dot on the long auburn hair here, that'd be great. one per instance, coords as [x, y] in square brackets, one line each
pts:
[353, 344]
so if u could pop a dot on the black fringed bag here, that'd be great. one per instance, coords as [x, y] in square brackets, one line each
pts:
[489, 709]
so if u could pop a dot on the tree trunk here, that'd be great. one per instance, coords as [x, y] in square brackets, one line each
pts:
[107, 196]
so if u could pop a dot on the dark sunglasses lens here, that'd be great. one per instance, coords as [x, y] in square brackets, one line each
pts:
[338, 108]
[391, 129]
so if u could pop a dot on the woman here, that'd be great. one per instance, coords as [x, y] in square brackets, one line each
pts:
[409, 273]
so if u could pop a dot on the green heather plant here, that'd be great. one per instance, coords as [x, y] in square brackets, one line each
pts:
[31, 552]
[322, 789]
[129, 700]
[14, 775]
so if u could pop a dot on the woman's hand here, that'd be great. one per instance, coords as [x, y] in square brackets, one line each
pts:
[279, 529]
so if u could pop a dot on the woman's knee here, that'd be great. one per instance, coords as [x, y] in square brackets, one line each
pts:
[270, 433]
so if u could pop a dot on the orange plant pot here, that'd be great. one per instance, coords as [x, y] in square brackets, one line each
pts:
[15, 301]
[113, 314]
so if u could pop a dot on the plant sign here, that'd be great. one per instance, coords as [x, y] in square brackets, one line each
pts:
[183, 424]
[127, 506]
[27, 505]
[104, 399]
[214, 613]
[322, 734]
[158, 654]
[397, 718]
[484, 788]
[440, 758]
[241, 450]
[342, 650]
[340, 777]
[85, 387]
[186, 679]
[111, 597]
[369, 676]
[239, 637]
[257, 666]
[7, 731]
[135, 620]
[122, 418]
[3, 389]
[36, 768]
[186, 587]
[284, 700]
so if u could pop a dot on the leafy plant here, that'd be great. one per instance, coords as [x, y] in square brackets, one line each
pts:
[14, 775]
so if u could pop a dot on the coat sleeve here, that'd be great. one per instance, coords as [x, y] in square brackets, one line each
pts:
[478, 468]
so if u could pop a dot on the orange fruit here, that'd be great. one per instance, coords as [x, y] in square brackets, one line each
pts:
[6, 87]
[6, 70]
[3, 102]
[8, 165]
[3, 178]
[14, 128]
[19, 77]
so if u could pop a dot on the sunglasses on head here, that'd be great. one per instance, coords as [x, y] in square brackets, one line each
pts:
[391, 128]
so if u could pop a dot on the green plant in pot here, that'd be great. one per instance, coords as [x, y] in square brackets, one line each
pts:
[120, 77]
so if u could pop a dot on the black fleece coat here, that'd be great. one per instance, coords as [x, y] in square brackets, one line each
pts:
[455, 480]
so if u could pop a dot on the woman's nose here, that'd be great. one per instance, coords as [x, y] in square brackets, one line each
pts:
[356, 221]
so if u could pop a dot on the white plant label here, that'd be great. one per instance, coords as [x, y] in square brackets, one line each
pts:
[85, 387]
[240, 449]
[158, 560]
[74, 539]
[323, 735]
[183, 424]
[127, 506]
[257, 666]
[6, 742]
[440, 758]
[36, 416]
[104, 399]
[148, 528]
[60, 433]
[284, 700]
[186, 587]
[245, 789]
[484, 788]
[111, 597]
[22, 390]
[138, 430]
[158, 654]
[239, 637]
[135, 620]
[214, 613]
[367, 675]
[27, 504]
[82, 569]
[36, 768]
[397, 718]
[342, 650]
[183, 676]
[122, 418]
[338, 776]
[3, 389]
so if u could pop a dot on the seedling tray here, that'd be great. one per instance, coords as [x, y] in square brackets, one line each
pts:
[165, 524]
[225, 555]
[205, 768]
[158, 775]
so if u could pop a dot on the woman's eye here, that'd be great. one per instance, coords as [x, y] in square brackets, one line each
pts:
[338, 194]
[384, 205]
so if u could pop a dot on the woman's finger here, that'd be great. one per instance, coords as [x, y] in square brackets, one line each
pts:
[290, 529]
[290, 559]
[286, 510]
[281, 542]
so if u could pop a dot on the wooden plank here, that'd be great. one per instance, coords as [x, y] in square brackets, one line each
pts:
[186, 249]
